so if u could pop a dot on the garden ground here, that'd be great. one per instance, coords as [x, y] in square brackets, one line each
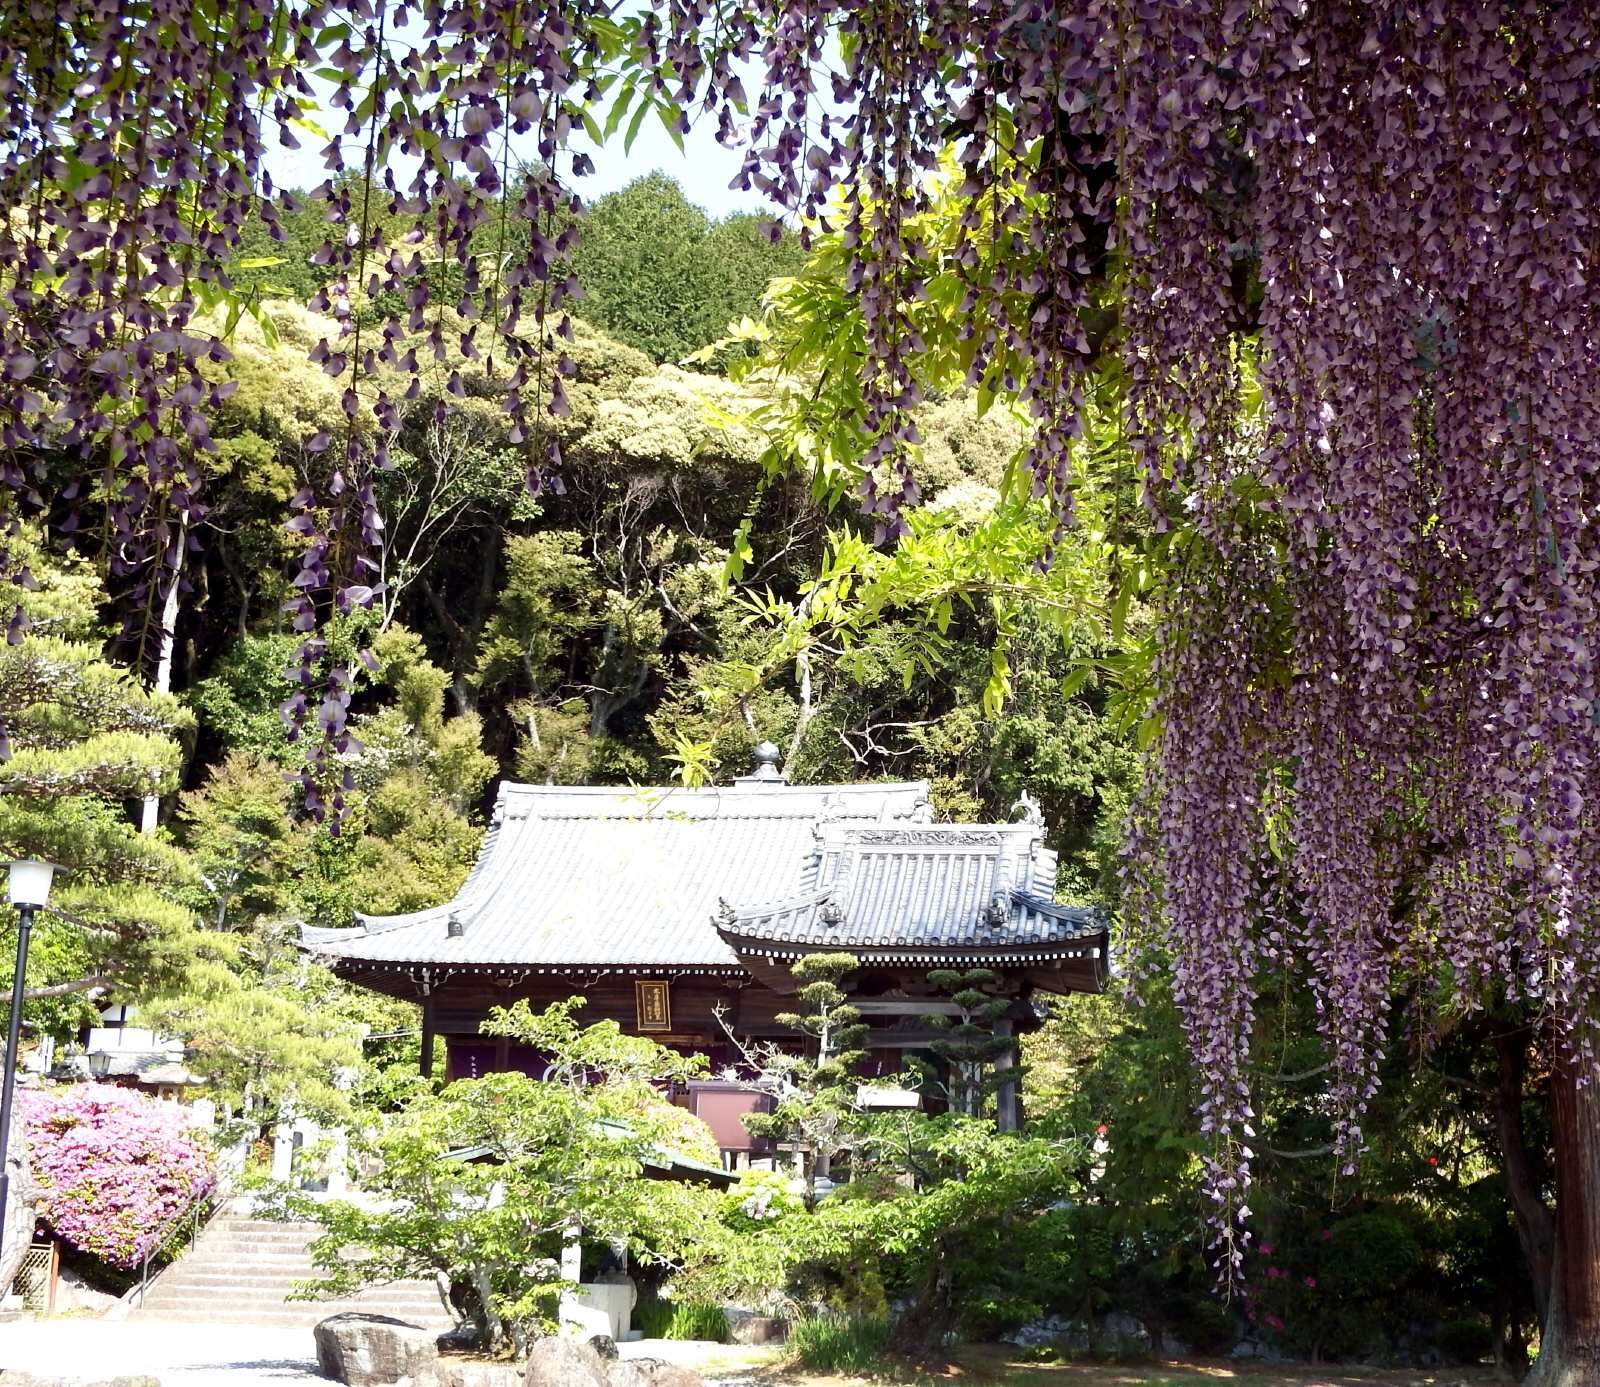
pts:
[201, 1355]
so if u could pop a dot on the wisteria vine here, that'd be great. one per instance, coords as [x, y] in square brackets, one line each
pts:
[1370, 226]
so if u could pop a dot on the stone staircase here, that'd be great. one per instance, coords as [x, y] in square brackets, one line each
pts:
[241, 1271]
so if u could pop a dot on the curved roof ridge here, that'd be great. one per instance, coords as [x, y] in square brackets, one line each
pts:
[744, 910]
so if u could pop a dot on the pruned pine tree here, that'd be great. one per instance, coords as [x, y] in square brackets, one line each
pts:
[80, 740]
[814, 1095]
[969, 1044]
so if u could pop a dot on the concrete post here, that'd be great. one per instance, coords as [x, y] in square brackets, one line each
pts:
[282, 1151]
[338, 1164]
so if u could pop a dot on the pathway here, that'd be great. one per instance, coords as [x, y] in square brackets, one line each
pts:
[234, 1355]
[187, 1355]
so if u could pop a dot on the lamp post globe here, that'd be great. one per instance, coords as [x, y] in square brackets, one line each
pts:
[28, 891]
[28, 883]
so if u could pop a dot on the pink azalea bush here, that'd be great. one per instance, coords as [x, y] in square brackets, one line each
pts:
[115, 1166]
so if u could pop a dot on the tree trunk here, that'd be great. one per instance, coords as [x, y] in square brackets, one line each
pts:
[1569, 1349]
[1536, 1229]
[151, 810]
[924, 1328]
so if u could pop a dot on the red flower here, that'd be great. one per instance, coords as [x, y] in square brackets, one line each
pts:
[1266, 1249]
[1327, 1233]
[1101, 1130]
[1311, 1281]
[1433, 1160]
[1273, 1272]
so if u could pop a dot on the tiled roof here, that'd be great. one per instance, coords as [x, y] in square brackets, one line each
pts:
[899, 890]
[574, 876]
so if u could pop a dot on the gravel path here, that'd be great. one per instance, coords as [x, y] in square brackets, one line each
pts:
[181, 1355]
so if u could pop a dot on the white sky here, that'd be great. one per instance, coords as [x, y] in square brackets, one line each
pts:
[704, 169]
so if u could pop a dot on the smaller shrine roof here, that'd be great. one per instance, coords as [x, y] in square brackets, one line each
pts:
[921, 894]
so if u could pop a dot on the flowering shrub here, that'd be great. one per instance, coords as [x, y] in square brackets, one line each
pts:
[760, 1197]
[115, 1167]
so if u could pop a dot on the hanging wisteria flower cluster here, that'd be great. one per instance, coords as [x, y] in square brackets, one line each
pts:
[1377, 220]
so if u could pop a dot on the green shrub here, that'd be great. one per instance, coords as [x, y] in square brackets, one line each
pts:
[652, 1316]
[656, 1318]
[1466, 1341]
[840, 1343]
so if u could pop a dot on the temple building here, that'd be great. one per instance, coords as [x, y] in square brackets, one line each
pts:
[679, 913]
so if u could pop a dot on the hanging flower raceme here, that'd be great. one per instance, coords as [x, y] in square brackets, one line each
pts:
[1411, 192]
[132, 147]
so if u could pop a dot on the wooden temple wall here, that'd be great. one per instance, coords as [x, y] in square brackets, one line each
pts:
[682, 1017]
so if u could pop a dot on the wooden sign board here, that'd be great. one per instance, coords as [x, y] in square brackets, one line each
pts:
[653, 1006]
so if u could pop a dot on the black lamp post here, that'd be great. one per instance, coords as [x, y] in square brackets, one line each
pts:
[28, 888]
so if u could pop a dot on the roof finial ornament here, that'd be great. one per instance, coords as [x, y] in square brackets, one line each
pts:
[724, 916]
[998, 911]
[832, 913]
[1031, 813]
[766, 770]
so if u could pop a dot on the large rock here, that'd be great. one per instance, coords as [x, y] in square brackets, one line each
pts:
[467, 1373]
[376, 1351]
[462, 1339]
[74, 1293]
[747, 1327]
[562, 1362]
[1053, 1331]
[652, 1372]
[1122, 1336]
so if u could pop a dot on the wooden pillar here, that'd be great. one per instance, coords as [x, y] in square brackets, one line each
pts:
[427, 1036]
[1008, 1093]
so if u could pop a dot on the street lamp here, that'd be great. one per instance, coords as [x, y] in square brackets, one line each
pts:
[27, 889]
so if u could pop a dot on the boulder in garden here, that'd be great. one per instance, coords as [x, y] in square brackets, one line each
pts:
[376, 1351]
[652, 1372]
[562, 1362]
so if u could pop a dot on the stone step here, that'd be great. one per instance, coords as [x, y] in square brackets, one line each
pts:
[245, 1242]
[267, 1263]
[280, 1290]
[286, 1318]
[410, 1295]
[419, 1305]
[242, 1271]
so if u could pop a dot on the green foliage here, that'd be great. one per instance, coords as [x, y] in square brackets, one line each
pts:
[238, 701]
[549, 598]
[761, 1197]
[262, 1043]
[482, 1181]
[240, 837]
[814, 1094]
[968, 1042]
[661, 276]
[78, 737]
[833, 1343]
